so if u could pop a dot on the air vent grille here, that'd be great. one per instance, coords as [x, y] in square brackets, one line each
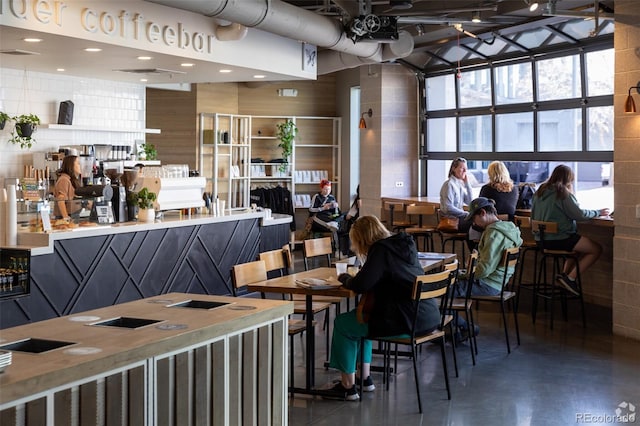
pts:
[150, 71]
[18, 52]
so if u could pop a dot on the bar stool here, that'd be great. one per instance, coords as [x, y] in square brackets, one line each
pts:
[396, 225]
[453, 237]
[549, 290]
[422, 230]
[529, 245]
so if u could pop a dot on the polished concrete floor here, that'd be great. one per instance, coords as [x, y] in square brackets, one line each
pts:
[569, 375]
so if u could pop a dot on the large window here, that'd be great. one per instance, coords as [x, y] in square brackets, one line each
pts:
[531, 112]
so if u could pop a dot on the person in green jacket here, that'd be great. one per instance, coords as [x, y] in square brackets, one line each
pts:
[554, 202]
[497, 236]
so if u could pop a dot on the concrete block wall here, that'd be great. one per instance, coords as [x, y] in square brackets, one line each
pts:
[626, 255]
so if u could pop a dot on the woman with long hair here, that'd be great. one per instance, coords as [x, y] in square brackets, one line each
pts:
[455, 193]
[554, 201]
[65, 188]
[501, 189]
[386, 281]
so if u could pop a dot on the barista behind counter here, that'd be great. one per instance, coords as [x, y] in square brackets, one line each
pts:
[65, 188]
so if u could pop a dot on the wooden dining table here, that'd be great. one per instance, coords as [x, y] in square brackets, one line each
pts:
[287, 285]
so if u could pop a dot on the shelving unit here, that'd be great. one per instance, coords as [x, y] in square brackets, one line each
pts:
[225, 145]
[231, 173]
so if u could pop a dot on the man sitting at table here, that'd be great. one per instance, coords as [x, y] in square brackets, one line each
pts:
[386, 282]
[497, 236]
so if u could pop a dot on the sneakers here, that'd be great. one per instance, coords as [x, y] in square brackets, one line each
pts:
[340, 393]
[568, 284]
[367, 385]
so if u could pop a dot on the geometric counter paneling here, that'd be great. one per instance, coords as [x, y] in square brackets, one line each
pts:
[93, 272]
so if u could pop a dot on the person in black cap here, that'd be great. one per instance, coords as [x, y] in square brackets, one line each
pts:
[497, 236]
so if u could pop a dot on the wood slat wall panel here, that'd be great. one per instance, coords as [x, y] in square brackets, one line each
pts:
[174, 113]
[265, 372]
[218, 400]
[235, 380]
[279, 357]
[137, 397]
[183, 389]
[217, 97]
[315, 98]
[62, 407]
[249, 378]
[8, 417]
[202, 386]
[114, 399]
[36, 412]
[164, 384]
[89, 404]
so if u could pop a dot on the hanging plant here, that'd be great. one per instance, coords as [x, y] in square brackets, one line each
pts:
[286, 132]
[4, 117]
[26, 124]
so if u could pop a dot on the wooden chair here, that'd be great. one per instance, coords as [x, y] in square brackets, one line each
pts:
[424, 231]
[549, 290]
[453, 237]
[320, 248]
[507, 293]
[431, 286]
[248, 273]
[463, 304]
[277, 261]
[394, 225]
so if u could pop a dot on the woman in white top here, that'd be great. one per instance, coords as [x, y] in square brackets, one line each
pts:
[456, 193]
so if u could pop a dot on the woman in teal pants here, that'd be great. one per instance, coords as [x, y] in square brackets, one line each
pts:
[385, 281]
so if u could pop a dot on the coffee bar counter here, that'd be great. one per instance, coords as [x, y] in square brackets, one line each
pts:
[93, 267]
[170, 359]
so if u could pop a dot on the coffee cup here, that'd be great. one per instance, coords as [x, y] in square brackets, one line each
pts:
[341, 268]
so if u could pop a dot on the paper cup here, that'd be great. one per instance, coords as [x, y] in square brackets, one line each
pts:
[341, 268]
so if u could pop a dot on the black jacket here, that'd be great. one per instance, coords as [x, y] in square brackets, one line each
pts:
[389, 272]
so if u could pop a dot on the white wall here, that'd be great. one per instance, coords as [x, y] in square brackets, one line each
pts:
[99, 104]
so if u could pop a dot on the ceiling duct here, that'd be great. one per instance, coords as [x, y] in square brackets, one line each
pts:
[286, 20]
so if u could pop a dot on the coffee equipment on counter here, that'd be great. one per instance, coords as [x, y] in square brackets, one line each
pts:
[119, 199]
[102, 209]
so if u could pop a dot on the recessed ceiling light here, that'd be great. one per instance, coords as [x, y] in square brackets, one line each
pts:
[143, 80]
[225, 70]
[93, 49]
[259, 76]
[144, 58]
[32, 40]
[60, 69]
[187, 64]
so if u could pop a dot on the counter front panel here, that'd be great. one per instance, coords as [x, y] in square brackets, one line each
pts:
[90, 272]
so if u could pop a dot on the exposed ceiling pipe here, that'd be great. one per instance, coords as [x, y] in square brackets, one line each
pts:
[231, 32]
[289, 21]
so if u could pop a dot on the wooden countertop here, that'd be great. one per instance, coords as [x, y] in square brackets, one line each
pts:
[98, 349]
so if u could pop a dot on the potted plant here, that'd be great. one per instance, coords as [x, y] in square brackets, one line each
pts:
[145, 200]
[286, 132]
[4, 117]
[26, 124]
[150, 151]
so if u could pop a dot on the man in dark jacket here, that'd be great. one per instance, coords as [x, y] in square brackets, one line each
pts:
[386, 282]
